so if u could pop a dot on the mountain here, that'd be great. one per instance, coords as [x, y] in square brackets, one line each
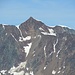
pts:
[32, 48]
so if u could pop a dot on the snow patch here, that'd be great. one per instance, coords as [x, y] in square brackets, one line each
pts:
[45, 67]
[21, 39]
[59, 58]
[51, 32]
[22, 65]
[17, 26]
[19, 73]
[39, 36]
[27, 48]
[3, 26]
[62, 25]
[37, 19]
[3, 71]
[21, 33]
[13, 69]
[58, 72]
[34, 37]
[64, 67]
[26, 73]
[50, 54]
[45, 33]
[59, 68]
[45, 51]
[41, 29]
[33, 52]
[52, 26]
[58, 53]
[31, 73]
[27, 68]
[27, 38]
[53, 72]
[34, 55]
[6, 34]
[14, 37]
[54, 45]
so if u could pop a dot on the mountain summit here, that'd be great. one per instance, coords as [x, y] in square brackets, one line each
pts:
[36, 49]
[31, 19]
[33, 22]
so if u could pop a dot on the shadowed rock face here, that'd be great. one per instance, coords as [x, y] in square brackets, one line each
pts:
[36, 49]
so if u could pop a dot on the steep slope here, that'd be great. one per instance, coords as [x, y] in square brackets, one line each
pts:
[36, 49]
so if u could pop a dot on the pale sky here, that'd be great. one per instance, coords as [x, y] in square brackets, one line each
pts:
[51, 12]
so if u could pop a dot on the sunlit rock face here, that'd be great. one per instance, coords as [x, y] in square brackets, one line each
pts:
[32, 48]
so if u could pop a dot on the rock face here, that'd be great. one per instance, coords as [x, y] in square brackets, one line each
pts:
[36, 49]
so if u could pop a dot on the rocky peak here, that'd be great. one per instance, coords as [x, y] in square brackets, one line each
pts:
[31, 22]
[31, 26]
[31, 19]
[36, 49]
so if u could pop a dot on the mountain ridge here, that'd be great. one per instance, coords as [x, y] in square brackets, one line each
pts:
[36, 49]
[33, 19]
